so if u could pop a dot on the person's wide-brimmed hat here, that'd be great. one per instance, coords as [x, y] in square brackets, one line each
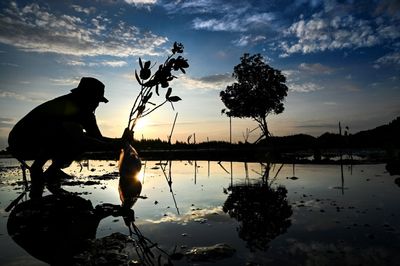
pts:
[91, 88]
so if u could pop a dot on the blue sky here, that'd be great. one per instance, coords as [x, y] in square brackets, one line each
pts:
[341, 60]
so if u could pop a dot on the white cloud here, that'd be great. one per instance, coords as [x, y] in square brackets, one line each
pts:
[114, 63]
[291, 74]
[87, 10]
[206, 6]
[303, 87]
[248, 39]
[108, 63]
[75, 63]
[322, 32]
[67, 81]
[21, 97]
[228, 23]
[297, 83]
[141, 2]
[316, 68]
[33, 28]
[391, 58]
[212, 82]
[260, 18]
[235, 22]
[6, 122]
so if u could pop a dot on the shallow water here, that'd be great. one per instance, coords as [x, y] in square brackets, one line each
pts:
[318, 219]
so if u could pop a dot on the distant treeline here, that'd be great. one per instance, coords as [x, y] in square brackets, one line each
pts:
[386, 136]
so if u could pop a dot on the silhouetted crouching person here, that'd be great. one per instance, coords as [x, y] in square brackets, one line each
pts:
[60, 130]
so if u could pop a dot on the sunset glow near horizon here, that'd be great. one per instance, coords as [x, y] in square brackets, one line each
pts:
[341, 60]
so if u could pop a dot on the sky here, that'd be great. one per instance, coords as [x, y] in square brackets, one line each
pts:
[341, 60]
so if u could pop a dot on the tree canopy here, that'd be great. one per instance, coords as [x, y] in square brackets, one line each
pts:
[259, 90]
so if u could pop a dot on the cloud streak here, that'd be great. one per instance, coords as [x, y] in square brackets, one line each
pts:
[234, 22]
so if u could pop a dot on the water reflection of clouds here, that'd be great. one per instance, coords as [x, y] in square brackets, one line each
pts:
[195, 215]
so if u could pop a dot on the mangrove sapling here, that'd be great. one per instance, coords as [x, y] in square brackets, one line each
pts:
[151, 83]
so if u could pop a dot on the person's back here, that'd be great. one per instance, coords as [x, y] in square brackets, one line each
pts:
[60, 130]
[44, 126]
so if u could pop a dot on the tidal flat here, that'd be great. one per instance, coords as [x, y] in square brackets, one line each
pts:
[303, 214]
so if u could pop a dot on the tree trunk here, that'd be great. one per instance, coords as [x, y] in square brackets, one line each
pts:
[262, 122]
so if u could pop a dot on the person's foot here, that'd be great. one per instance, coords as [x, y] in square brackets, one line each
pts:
[56, 173]
[53, 177]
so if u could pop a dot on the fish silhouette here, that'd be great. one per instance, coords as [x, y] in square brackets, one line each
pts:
[129, 184]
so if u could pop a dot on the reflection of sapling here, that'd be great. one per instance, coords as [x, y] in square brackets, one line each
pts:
[161, 78]
[129, 186]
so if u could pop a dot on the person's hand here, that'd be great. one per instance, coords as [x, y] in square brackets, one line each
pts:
[127, 137]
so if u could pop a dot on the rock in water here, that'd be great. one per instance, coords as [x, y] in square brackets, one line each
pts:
[210, 253]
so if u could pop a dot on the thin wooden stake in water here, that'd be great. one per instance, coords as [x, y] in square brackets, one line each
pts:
[341, 159]
[231, 174]
[172, 129]
[294, 168]
[195, 172]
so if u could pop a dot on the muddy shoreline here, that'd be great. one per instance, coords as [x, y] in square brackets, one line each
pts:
[255, 154]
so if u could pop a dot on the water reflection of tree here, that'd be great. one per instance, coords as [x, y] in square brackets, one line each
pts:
[263, 212]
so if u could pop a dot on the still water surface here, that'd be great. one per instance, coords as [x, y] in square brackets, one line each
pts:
[317, 218]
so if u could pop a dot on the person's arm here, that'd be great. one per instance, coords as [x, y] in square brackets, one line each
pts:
[93, 131]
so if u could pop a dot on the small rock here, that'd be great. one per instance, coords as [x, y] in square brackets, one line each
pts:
[210, 253]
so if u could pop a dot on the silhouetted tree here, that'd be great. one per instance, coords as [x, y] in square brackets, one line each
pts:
[258, 92]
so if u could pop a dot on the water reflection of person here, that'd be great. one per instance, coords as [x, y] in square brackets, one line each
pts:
[60, 130]
[262, 211]
[57, 227]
